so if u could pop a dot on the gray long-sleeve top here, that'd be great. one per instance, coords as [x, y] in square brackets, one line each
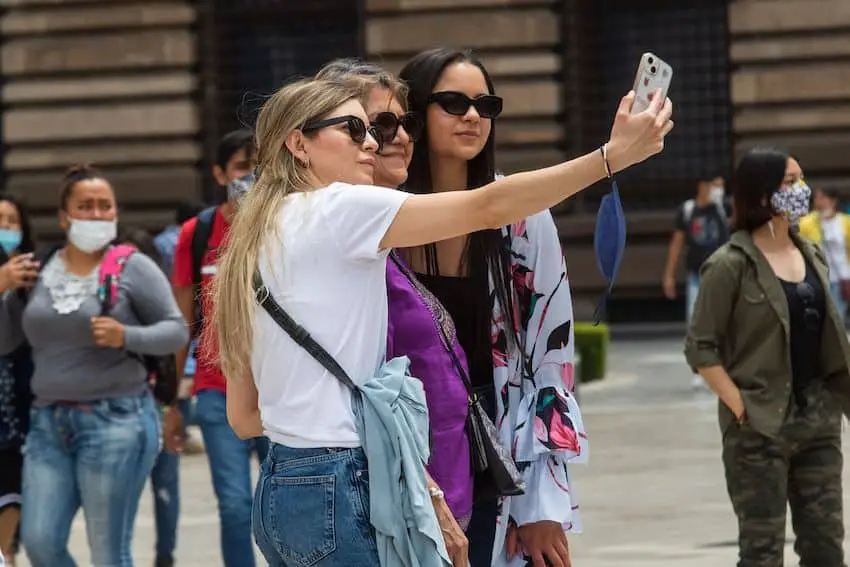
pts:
[69, 366]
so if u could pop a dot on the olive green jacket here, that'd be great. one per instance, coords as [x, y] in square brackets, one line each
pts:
[741, 322]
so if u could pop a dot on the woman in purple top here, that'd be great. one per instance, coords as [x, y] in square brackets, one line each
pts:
[419, 326]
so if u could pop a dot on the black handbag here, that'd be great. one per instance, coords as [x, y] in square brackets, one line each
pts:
[496, 473]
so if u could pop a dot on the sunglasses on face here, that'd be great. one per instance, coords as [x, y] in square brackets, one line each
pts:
[357, 129]
[387, 123]
[457, 104]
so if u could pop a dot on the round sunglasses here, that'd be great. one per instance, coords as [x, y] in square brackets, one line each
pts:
[387, 123]
[457, 103]
[357, 129]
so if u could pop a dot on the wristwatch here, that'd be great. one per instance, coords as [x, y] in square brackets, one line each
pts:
[436, 493]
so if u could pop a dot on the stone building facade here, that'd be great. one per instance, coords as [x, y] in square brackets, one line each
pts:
[144, 88]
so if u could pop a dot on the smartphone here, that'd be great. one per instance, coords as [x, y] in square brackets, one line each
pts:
[653, 73]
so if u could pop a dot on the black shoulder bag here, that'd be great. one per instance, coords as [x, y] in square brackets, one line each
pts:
[495, 470]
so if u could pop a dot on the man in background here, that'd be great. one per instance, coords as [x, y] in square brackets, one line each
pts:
[701, 227]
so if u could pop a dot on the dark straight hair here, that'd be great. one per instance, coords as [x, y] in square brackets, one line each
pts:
[487, 252]
[758, 176]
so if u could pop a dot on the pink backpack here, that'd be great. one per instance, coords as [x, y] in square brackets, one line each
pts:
[111, 268]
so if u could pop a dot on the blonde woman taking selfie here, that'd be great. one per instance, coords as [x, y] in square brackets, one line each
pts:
[318, 232]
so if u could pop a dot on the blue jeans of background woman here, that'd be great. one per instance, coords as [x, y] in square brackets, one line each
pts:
[97, 456]
[840, 304]
[312, 508]
[165, 486]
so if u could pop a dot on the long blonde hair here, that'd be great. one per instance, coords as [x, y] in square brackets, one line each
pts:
[279, 173]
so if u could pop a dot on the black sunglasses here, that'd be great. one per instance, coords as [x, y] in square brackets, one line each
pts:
[811, 317]
[387, 123]
[453, 102]
[357, 129]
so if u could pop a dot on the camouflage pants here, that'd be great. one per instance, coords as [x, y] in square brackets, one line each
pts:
[801, 467]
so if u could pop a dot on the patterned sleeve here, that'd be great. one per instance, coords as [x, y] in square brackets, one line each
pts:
[548, 431]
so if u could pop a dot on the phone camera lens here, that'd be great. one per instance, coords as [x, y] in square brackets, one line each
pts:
[653, 70]
[651, 60]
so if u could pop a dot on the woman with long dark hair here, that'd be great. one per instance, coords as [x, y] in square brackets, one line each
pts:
[768, 339]
[15, 372]
[508, 293]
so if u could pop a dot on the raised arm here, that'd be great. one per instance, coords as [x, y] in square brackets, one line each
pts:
[441, 215]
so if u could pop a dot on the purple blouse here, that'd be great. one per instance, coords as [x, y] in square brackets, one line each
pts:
[414, 316]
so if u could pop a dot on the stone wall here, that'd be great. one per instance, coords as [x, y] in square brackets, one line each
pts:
[791, 82]
[111, 83]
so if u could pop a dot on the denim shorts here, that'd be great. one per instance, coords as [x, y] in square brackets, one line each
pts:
[311, 508]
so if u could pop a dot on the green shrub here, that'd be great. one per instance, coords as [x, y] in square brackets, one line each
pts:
[592, 345]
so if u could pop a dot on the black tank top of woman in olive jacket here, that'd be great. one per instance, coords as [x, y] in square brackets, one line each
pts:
[807, 311]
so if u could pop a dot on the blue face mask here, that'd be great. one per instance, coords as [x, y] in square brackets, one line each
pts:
[609, 241]
[239, 187]
[10, 239]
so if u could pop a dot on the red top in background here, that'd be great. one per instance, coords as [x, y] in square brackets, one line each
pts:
[208, 376]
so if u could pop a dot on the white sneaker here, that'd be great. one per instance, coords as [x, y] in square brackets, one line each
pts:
[698, 384]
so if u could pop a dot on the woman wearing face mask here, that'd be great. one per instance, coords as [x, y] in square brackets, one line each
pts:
[830, 228]
[95, 433]
[419, 327]
[769, 341]
[15, 373]
[509, 295]
[318, 233]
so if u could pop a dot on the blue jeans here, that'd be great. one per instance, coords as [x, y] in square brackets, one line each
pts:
[840, 304]
[165, 485]
[691, 293]
[312, 509]
[97, 456]
[230, 465]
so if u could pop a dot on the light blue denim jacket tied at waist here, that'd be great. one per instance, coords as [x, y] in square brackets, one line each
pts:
[394, 430]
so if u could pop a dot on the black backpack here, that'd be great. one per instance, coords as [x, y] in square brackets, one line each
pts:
[200, 245]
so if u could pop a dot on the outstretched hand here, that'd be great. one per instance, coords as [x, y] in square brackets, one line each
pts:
[636, 137]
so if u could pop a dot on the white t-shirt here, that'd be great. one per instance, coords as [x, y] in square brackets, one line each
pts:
[324, 267]
[835, 248]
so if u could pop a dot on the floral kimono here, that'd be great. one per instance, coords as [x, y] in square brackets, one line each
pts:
[536, 413]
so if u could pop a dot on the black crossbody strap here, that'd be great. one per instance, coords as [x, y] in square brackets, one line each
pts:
[298, 333]
[449, 344]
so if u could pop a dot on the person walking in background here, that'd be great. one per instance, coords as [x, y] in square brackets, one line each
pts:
[830, 228]
[95, 428]
[16, 239]
[166, 243]
[767, 338]
[195, 265]
[701, 227]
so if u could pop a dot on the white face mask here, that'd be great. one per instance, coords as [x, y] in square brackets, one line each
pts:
[716, 192]
[89, 236]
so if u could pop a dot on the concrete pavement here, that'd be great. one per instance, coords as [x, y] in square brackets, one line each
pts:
[652, 494]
